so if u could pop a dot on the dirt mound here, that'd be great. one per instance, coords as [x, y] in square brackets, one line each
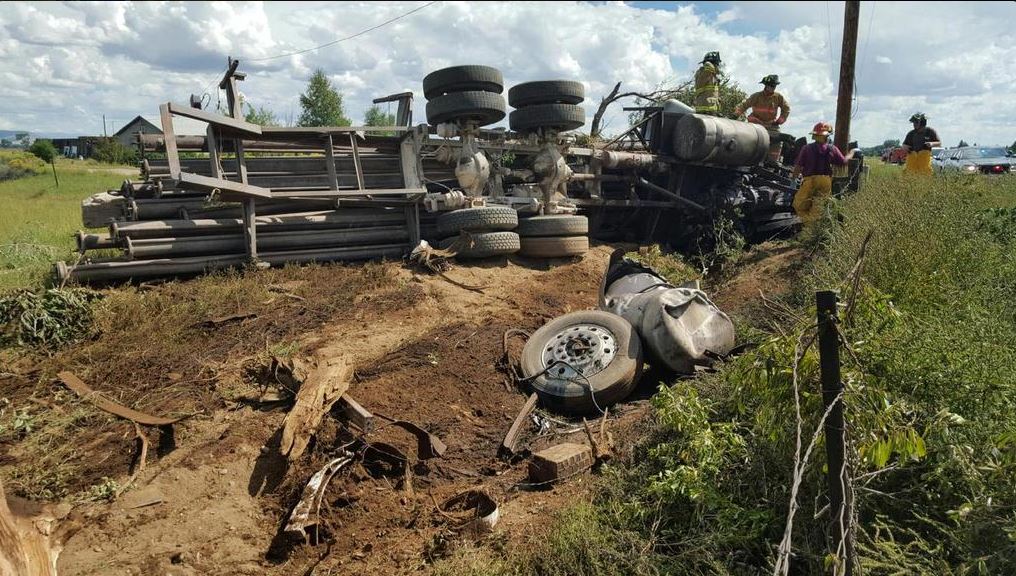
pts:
[425, 350]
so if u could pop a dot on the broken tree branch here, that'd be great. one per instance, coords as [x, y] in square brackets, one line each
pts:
[86, 392]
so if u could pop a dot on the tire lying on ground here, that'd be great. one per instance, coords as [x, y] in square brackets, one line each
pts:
[482, 107]
[554, 225]
[546, 92]
[554, 246]
[462, 79]
[582, 354]
[486, 219]
[556, 116]
[482, 245]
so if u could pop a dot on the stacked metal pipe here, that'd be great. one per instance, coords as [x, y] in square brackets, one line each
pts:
[155, 229]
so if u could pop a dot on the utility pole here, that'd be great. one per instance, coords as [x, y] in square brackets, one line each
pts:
[848, 55]
[104, 134]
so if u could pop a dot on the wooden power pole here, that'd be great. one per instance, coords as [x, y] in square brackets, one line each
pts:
[848, 55]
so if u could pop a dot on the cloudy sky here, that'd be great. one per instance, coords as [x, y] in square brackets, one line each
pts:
[64, 65]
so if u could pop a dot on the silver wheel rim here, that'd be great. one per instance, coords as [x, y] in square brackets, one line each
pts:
[579, 352]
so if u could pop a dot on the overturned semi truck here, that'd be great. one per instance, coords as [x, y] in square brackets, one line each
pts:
[272, 195]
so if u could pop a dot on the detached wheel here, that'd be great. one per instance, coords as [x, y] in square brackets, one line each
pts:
[487, 219]
[483, 245]
[581, 355]
[482, 107]
[560, 247]
[554, 225]
[546, 92]
[462, 79]
[556, 116]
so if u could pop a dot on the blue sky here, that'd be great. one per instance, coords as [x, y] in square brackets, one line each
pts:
[62, 65]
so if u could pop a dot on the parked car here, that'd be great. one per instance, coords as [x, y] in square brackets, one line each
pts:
[939, 157]
[980, 160]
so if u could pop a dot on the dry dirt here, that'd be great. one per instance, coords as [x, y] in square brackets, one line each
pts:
[426, 351]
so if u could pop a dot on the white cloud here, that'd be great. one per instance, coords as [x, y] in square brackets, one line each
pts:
[122, 58]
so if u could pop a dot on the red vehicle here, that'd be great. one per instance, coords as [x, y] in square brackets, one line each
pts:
[895, 156]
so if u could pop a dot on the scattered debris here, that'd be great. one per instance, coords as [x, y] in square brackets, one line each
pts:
[601, 452]
[681, 327]
[305, 513]
[31, 545]
[510, 443]
[219, 321]
[436, 260]
[356, 414]
[428, 445]
[560, 462]
[86, 392]
[322, 388]
[149, 496]
[473, 511]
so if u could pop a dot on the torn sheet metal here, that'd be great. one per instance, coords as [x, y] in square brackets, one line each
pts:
[681, 326]
[480, 511]
[428, 445]
[306, 513]
[85, 391]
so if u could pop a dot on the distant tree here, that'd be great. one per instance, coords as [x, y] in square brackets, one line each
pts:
[261, 116]
[374, 116]
[322, 104]
[6, 143]
[111, 151]
[46, 152]
[962, 144]
[1012, 149]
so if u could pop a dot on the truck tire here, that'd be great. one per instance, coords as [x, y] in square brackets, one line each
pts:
[603, 355]
[462, 79]
[487, 219]
[483, 245]
[554, 247]
[556, 116]
[546, 92]
[553, 225]
[483, 107]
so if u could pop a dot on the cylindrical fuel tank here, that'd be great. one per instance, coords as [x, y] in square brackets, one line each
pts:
[701, 138]
[662, 140]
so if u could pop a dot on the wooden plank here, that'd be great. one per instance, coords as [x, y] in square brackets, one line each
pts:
[206, 184]
[172, 156]
[347, 193]
[356, 161]
[250, 229]
[225, 123]
[410, 161]
[333, 181]
[214, 160]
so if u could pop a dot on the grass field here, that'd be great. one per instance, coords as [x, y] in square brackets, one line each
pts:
[39, 219]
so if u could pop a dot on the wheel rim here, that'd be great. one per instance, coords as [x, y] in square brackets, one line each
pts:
[579, 352]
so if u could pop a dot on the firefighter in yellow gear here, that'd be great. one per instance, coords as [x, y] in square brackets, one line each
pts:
[918, 144]
[763, 107]
[815, 161]
[707, 85]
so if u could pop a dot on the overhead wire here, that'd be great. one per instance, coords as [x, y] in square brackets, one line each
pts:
[350, 37]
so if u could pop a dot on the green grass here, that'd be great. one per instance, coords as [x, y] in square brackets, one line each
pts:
[39, 219]
[931, 408]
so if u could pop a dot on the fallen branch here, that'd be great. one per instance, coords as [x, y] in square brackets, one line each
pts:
[323, 388]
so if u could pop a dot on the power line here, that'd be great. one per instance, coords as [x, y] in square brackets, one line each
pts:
[361, 33]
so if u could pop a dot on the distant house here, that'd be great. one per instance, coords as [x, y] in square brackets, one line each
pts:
[128, 135]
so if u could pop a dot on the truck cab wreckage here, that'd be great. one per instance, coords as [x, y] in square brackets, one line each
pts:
[247, 193]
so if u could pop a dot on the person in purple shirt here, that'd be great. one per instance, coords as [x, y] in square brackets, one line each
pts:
[815, 162]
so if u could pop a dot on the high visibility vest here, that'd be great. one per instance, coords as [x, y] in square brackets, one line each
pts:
[707, 89]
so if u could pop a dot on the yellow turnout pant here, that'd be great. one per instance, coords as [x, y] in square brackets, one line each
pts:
[811, 197]
[918, 162]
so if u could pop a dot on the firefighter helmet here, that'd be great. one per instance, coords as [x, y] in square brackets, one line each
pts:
[919, 117]
[822, 129]
[713, 57]
[771, 80]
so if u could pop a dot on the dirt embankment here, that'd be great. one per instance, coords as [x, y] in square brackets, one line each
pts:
[425, 351]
